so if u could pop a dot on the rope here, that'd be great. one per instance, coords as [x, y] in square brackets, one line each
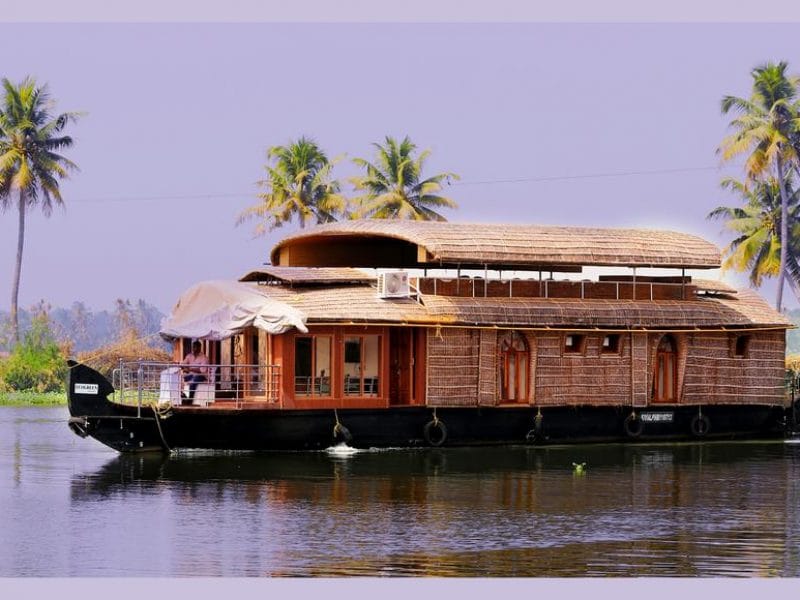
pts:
[337, 427]
[435, 418]
[158, 425]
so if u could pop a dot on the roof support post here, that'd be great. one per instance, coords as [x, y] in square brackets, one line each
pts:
[683, 284]
[634, 284]
[485, 280]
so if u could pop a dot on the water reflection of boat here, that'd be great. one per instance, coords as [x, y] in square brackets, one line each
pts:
[214, 467]
[690, 509]
[310, 350]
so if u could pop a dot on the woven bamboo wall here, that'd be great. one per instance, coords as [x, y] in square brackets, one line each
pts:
[453, 366]
[487, 359]
[590, 377]
[641, 367]
[462, 369]
[715, 376]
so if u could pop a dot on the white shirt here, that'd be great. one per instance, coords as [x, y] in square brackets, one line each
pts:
[197, 360]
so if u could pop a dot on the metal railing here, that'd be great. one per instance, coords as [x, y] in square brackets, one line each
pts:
[145, 382]
[583, 289]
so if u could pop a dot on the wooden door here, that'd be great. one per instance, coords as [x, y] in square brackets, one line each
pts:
[665, 383]
[514, 363]
[400, 364]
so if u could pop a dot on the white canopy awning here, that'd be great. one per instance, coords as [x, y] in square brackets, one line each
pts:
[215, 310]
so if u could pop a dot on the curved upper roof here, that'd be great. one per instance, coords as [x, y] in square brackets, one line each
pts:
[391, 243]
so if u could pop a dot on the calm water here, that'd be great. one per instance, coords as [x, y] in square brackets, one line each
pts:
[71, 507]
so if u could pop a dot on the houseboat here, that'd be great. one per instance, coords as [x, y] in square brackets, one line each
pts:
[402, 334]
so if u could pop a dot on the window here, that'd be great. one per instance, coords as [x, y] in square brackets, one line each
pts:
[610, 344]
[740, 346]
[514, 361]
[573, 343]
[312, 366]
[361, 365]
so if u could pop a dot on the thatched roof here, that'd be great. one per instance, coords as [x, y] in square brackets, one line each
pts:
[747, 310]
[391, 243]
[308, 275]
[356, 303]
[714, 286]
[360, 304]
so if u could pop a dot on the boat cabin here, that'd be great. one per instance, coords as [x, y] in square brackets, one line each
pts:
[379, 314]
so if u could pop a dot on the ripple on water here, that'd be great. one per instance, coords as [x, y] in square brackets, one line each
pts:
[73, 508]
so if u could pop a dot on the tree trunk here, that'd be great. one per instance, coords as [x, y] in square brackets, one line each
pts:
[784, 232]
[18, 268]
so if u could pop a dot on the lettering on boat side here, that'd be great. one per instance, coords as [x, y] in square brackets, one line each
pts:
[87, 388]
[657, 417]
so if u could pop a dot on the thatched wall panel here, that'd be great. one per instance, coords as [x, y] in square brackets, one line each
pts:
[639, 372]
[715, 376]
[453, 367]
[463, 369]
[579, 379]
[487, 361]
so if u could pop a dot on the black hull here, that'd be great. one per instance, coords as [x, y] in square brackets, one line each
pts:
[130, 429]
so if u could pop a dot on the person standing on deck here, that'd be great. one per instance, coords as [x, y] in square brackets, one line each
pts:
[195, 368]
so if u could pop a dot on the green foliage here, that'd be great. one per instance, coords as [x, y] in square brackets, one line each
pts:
[757, 226]
[394, 187]
[298, 184]
[85, 329]
[29, 398]
[31, 139]
[37, 362]
[764, 128]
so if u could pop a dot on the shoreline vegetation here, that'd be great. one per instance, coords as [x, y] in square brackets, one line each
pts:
[31, 398]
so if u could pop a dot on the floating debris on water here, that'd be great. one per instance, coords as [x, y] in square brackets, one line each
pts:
[579, 468]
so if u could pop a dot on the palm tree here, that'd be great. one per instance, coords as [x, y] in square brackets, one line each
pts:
[763, 128]
[394, 187]
[757, 225]
[30, 165]
[298, 183]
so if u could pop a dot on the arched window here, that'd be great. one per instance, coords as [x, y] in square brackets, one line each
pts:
[514, 361]
[666, 380]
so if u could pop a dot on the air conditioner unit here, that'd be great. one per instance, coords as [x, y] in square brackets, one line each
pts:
[393, 284]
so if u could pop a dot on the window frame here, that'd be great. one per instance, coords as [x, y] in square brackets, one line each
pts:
[378, 384]
[736, 339]
[311, 394]
[611, 349]
[578, 349]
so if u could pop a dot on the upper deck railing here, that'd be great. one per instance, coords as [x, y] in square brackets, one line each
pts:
[145, 382]
[478, 287]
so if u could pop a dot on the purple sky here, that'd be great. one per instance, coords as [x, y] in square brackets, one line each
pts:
[180, 116]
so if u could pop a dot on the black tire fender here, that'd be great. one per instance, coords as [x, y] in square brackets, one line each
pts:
[633, 426]
[342, 434]
[79, 426]
[535, 433]
[700, 425]
[429, 433]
